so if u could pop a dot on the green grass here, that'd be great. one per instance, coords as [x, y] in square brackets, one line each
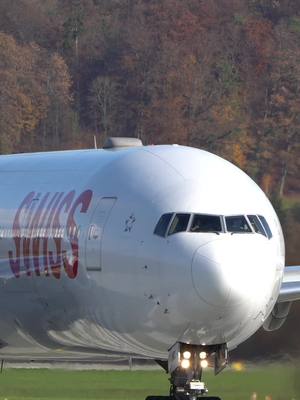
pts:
[278, 382]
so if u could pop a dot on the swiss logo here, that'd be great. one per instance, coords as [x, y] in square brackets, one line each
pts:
[46, 234]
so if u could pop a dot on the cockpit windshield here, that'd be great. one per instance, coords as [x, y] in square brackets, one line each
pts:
[237, 224]
[162, 225]
[266, 226]
[206, 223]
[179, 223]
[256, 224]
[172, 223]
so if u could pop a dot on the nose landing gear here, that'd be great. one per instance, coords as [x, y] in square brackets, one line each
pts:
[185, 364]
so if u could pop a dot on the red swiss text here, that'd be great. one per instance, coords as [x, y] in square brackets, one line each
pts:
[46, 235]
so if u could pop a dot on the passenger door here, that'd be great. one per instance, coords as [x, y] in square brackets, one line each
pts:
[95, 233]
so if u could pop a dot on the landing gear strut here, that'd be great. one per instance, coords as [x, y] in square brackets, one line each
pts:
[186, 364]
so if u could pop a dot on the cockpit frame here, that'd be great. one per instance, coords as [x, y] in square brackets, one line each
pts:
[255, 224]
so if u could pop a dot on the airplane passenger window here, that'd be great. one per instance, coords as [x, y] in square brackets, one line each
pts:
[237, 224]
[266, 226]
[256, 224]
[162, 225]
[206, 223]
[179, 223]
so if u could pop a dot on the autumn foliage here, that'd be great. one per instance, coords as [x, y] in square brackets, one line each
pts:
[220, 75]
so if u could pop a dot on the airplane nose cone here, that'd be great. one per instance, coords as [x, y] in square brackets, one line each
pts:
[234, 269]
[208, 276]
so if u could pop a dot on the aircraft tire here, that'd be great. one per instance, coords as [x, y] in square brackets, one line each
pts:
[209, 398]
[172, 398]
[158, 398]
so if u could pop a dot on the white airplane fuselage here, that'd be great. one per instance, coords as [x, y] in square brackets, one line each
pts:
[82, 272]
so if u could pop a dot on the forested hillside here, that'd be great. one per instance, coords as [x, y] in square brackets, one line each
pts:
[222, 75]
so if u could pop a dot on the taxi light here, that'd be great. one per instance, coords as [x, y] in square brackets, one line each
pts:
[186, 355]
[185, 364]
[204, 364]
[203, 355]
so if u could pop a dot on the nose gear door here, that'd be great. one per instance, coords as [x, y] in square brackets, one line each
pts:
[95, 233]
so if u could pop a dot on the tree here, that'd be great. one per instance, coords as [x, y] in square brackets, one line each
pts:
[55, 128]
[104, 99]
[277, 128]
[33, 84]
[23, 103]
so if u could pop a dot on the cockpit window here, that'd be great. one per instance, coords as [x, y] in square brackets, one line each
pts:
[237, 224]
[206, 223]
[162, 225]
[171, 223]
[256, 224]
[179, 223]
[266, 226]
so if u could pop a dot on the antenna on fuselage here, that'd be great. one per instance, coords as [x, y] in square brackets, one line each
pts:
[95, 143]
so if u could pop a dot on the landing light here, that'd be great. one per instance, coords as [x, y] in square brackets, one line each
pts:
[204, 364]
[185, 364]
[186, 355]
[202, 355]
